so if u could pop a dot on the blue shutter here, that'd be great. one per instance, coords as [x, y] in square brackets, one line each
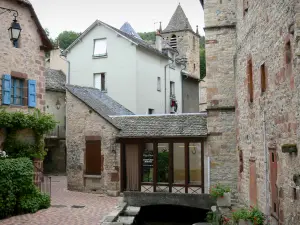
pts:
[31, 93]
[6, 84]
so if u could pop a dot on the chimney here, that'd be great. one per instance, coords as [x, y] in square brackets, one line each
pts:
[158, 41]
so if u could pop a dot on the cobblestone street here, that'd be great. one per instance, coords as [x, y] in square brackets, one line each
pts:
[61, 212]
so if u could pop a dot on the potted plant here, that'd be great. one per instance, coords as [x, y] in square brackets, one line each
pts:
[252, 216]
[222, 194]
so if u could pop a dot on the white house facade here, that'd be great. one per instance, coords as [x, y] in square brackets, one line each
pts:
[130, 71]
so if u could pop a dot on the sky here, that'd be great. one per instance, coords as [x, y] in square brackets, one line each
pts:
[144, 16]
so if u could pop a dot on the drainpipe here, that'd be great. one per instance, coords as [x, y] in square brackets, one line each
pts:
[69, 67]
[267, 210]
[208, 173]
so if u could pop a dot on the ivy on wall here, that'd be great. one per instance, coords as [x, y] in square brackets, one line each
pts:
[39, 123]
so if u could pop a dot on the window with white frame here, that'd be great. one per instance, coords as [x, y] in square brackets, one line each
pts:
[172, 88]
[100, 47]
[158, 84]
[99, 81]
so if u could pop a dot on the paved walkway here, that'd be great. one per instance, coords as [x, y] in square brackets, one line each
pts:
[61, 213]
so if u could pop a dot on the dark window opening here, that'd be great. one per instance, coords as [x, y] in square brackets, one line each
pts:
[17, 91]
[250, 80]
[288, 52]
[103, 88]
[274, 207]
[246, 6]
[295, 194]
[263, 78]
[194, 66]
[150, 111]
[273, 157]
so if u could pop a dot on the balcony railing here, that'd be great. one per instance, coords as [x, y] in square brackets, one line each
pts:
[57, 132]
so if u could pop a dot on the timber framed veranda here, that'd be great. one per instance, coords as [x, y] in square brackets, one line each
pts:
[172, 165]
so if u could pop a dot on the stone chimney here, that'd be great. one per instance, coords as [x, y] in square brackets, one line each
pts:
[158, 41]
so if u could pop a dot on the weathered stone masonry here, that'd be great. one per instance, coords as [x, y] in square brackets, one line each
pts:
[86, 123]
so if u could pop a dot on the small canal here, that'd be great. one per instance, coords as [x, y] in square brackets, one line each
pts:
[170, 215]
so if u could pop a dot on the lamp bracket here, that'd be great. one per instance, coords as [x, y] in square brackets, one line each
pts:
[15, 12]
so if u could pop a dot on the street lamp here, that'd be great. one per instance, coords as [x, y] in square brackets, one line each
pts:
[15, 28]
[14, 32]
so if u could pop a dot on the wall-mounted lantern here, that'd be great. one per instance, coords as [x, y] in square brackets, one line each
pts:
[15, 29]
[58, 104]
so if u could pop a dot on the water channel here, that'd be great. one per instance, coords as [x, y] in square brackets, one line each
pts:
[170, 215]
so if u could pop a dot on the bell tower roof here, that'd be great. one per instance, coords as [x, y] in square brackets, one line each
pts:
[178, 22]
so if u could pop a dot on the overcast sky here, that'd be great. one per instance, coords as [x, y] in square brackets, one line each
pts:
[77, 15]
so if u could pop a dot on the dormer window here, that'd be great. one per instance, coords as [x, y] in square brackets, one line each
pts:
[173, 41]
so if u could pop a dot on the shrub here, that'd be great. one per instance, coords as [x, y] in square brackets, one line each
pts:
[18, 193]
[252, 214]
[218, 190]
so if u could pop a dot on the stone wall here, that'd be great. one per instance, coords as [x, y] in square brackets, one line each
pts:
[262, 34]
[27, 61]
[81, 122]
[220, 47]
[190, 95]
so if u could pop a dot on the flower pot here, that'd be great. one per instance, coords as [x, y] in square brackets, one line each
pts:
[244, 222]
[225, 200]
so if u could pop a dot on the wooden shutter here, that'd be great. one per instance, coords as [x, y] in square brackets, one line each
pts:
[6, 85]
[93, 157]
[31, 93]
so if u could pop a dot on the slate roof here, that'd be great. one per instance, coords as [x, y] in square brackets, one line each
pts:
[99, 102]
[137, 41]
[127, 28]
[46, 42]
[178, 22]
[55, 80]
[178, 125]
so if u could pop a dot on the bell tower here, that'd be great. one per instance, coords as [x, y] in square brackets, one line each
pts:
[180, 36]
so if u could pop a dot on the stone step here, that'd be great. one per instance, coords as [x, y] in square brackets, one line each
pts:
[132, 211]
[126, 220]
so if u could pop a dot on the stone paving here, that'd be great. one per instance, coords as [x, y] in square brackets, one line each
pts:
[62, 213]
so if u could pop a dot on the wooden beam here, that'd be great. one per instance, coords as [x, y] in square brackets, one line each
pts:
[171, 166]
[123, 168]
[140, 164]
[155, 156]
[202, 167]
[187, 166]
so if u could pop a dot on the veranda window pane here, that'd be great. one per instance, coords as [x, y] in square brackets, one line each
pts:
[163, 163]
[148, 163]
[179, 166]
[195, 163]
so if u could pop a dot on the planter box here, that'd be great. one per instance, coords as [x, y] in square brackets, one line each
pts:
[224, 201]
[243, 222]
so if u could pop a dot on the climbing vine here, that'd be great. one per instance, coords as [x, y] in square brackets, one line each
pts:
[39, 123]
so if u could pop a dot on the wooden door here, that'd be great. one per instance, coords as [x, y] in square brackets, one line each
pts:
[93, 157]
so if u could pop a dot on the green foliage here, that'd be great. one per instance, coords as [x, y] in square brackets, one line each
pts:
[18, 194]
[163, 166]
[38, 122]
[202, 63]
[213, 218]
[148, 36]
[253, 214]
[218, 190]
[66, 38]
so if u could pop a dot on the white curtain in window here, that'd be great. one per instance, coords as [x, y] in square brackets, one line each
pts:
[97, 81]
[100, 47]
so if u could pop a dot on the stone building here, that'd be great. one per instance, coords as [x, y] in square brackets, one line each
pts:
[22, 62]
[253, 67]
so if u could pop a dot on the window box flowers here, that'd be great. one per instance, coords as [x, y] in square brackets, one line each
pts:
[222, 194]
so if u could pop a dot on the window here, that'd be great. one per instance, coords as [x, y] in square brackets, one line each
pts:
[250, 79]
[16, 91]
[173, 41]
[150, 111]
[100, 47]
[158, 84]
[246, 6]
[172, 88]
[99, 81]
[93, 159]
[263, 78]
[288, 52]
[194, 66]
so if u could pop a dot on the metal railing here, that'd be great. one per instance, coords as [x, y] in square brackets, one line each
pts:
[41, 181]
